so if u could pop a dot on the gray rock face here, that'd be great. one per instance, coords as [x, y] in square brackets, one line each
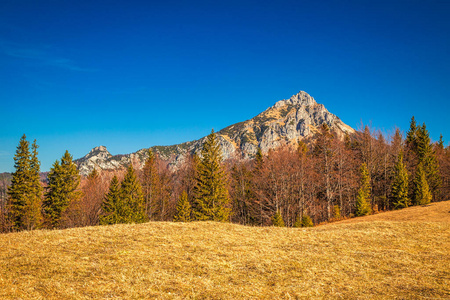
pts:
[100, 158]
[287, 122]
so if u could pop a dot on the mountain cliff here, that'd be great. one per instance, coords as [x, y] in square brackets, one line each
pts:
[288, 121]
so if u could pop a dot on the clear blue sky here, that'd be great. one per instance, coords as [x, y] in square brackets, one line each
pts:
[133, 74]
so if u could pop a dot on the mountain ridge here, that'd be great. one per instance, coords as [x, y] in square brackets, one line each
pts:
[286, 122]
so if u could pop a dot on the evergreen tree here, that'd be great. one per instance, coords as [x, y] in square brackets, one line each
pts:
[210, 193]
[277, 220]
[423, 143]
[363, 198]
[109, 204]
[427, 157]
[422, 193]
[131, 206]
[259, 159]
[150, 184]
[33, 215]
[20, 190]
[411, 135]
[337, 212]
[183, 213]
[306, 221]
[63, 181]
[440, 143]
[400, 197]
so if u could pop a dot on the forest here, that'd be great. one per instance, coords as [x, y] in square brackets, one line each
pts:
[320, 179]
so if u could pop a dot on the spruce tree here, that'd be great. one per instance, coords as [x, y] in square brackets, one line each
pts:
[131, 205]
[306, 221]
[259, 160]
[183, 213]
[428, 159]
[109, 204]
[33, 215]
[337, 212]
[277, 220]
[440, 143]
[423, 143]
[399, 188]
[21, 189]
[363, 197]
[422, 193]
[210, 192]
[411, 135]
[62, 189]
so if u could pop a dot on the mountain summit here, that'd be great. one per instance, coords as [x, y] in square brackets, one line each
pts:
[286, 122]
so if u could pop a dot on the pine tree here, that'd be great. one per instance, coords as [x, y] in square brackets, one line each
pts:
[150, 184]
[20, 189]
[400, 197]
[131, 205]
[33, 215]
[411, 135]
[109, 204]
[423, 143]
[259, 160]
[63, 181]
[306, 221]
[422, 193]
[183, 213]
[427, 157]
[337, 212]
[210, 193]
[277, 220]
[363, 198]
[440, 143]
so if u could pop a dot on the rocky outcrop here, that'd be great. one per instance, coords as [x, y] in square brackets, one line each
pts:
[288, 121]
[100, 158]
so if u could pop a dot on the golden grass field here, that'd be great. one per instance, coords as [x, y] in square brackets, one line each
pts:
[402, 254]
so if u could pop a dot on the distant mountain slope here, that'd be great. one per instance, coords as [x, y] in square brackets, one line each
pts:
[288, 121]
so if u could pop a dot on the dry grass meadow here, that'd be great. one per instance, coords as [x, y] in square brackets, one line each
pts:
[403, 254]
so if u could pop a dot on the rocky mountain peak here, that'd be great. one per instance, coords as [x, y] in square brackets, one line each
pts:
[286, 122]
[99, 151]
[300, 99]
[94, 159]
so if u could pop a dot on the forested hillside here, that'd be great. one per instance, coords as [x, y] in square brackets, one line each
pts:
[320, 179]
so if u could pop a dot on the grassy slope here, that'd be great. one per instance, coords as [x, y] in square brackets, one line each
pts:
[379, 259]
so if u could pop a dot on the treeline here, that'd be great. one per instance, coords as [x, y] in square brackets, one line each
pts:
[319, 180]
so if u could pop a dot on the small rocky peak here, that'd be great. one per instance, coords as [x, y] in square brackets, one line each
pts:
[99, 151]
[301, 99]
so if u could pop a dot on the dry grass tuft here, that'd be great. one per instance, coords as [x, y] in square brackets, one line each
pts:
[206, 260]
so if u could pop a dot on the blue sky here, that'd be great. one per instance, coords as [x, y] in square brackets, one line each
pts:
[133, 74]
